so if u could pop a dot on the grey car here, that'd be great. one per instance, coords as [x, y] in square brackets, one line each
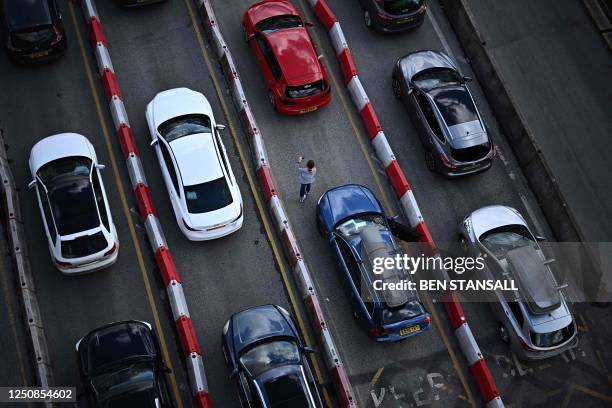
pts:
[535, 319]
[393, 16]
[442, 108]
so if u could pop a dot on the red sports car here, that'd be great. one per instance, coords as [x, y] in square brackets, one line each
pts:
[296, 80]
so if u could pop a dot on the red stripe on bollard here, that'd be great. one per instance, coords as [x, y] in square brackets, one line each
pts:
[398, 179]
[166, 265]
[347, 64]
[126, 141]
[111, 86]
[290, 247]
[144, 201]
[202, 400]
[187, 336]
[368, 115]
[454, 310]
[316, 313]
[342, 385]
[267, 181]
[484, 380]
[325, 15]
[96, 33]
[426, 238]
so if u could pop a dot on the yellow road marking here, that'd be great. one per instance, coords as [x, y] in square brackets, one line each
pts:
[386, 201]
[126, 209]
[592, 392]
[376, 377]
[264, 216]
[11, 318]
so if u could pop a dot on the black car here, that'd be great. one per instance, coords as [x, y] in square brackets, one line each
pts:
[268, 361]
[33, 30]
[441, 106]
[122, 366]
[390, 16]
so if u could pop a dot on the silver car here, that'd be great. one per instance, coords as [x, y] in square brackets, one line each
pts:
[535, 319]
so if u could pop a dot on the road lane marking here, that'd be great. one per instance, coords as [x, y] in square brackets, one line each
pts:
[376, 376]
[126, 209]
[195, 24]
[386, 202]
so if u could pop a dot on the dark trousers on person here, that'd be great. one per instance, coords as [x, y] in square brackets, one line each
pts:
[304, 189]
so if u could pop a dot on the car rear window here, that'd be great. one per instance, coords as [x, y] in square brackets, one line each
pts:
[306, 89]
[84, 246]
[277, 23]
[36, 35]
[209, 196]
[455, 105]
[25, 14]
[471, 153]
[553, 338]
[186, 125]
[286, 392]
[399, 7]
[407, 311]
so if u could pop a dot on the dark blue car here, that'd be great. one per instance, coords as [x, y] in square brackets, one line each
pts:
[353, 221]
[268, 361]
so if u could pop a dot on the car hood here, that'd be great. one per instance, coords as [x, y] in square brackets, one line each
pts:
[259, 323]
[494, 216]
[416, 62]
[467, 134]
[342, 202]
[177, 102]
[296, 55]
[263, 10]
[57, 146]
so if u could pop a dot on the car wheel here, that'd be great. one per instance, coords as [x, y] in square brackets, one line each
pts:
[503, 333]
[272, 99]
[367, 18]
[397, 91]
[430, 161]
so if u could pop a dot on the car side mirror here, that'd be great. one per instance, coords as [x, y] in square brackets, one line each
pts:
[234, 373]
[154, 142]
[320, 57]
[32, 183]
[100, 166]
[467, 78]
[410, 91]
[309, 350]
[219, 126]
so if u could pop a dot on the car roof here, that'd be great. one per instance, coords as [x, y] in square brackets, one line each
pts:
[495, 216]
[259, 323]
[296, 55]
[270, 8]
[24, 14]
[342, 202]
[418, 61]
[197, 159]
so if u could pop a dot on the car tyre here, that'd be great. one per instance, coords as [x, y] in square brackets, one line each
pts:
[430, 161]
[367, 18]
[397, 91]
[503, 333]
[272, 100]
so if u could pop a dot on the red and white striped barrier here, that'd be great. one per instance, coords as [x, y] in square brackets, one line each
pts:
[268, 184]
[178, 303]
[403, 190]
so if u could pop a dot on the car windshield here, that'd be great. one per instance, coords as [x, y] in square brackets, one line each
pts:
[277, 23]
[306, 89]
[270, 355]
[436, 78]
[70, 194]
[455, 105]
[391, 315]
[501, 240]
[287, 391]
[209, 196]
[398, 7]
[181, 126]
[26, 14]
[352, 227]
[128, 383]
[84, 246]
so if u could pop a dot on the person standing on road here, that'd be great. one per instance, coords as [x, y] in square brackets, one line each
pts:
[306, 176]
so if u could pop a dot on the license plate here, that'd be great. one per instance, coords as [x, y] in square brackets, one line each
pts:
[311, 109]
[39, 54]
[409, 330]
[216, 227]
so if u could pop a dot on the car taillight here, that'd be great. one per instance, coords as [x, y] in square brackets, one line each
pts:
[110, 251]
[446, 162]
[239, 215]
[58, 36]
[384, 16]
[494, 152]
[376, 332]
[287, 101]
[64, 264]
[427, 319]
[188, 227]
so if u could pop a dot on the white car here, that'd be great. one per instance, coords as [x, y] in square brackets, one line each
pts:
[80, 230]
[202, 188]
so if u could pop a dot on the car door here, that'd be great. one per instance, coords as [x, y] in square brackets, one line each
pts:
[431, 132]
[46, 214]
[352, 275]
[267, 61]
[170, 174]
